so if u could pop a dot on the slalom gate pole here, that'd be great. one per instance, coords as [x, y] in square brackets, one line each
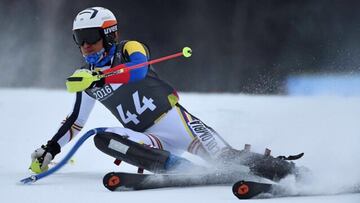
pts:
[34, 178]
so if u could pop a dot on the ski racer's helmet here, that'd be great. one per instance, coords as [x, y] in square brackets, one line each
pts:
[93, 24]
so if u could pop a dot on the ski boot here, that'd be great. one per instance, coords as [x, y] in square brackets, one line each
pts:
[263, 165]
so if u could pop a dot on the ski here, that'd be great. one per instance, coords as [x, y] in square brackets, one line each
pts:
[119, 181]
[249, 189]
[253, 189]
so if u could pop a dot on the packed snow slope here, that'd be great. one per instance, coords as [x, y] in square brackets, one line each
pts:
[326, 129]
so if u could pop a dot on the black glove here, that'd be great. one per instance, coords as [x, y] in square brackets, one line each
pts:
[45, 154]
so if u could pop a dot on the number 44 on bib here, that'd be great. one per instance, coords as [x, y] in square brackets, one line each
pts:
[140, 107]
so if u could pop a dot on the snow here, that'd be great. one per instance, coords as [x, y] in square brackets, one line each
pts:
[325, 128]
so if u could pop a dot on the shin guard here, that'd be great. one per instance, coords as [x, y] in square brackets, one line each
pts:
[136, 154]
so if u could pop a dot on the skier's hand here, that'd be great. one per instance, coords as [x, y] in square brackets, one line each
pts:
[81, 80]
[41, 157]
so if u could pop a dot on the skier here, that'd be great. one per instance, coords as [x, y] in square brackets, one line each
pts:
[156, 128]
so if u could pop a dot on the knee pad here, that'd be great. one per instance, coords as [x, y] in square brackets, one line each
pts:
[122, 148]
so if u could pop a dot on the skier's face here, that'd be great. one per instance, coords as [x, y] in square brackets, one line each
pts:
[87, 49]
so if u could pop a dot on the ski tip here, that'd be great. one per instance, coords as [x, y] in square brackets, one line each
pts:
[248, 189]
[111, 181]
[241, 190]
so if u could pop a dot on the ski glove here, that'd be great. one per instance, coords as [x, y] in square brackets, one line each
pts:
[41, 157]
[83, 79]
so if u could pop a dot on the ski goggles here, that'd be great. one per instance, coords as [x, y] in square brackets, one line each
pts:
[88, 35]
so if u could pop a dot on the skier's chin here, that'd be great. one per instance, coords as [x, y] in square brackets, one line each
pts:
[87, 53]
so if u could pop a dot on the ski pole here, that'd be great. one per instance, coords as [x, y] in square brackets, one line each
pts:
[83, 79]
[34, 178]
[186, 52]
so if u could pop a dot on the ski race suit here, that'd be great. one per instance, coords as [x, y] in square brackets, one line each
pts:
[146, 106]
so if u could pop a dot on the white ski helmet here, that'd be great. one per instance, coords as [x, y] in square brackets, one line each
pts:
[92, 24]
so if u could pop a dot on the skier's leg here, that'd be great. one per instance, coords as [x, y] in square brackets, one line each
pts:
[229, 158]
[188, 133]
[138, 149]
[182, 131]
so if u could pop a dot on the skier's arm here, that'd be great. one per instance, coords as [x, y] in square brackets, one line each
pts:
[69, 128]
[135, 52]
[75, 121]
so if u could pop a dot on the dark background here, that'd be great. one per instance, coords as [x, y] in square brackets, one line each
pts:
[245, 46]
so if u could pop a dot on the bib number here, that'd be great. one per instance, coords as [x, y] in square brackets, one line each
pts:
[140, 107]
